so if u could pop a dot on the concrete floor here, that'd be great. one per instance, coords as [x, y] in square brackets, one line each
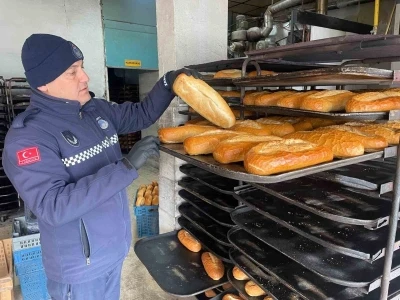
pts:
[136, 283]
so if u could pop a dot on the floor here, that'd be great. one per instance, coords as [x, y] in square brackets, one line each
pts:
[136, 283]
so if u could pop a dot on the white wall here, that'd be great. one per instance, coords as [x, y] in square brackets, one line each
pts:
[78, 21]
[147, 81]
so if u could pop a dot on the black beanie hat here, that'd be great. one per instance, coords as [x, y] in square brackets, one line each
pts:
[46, 56]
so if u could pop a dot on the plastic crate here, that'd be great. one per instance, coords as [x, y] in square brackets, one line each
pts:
[146, 220]
[34, 286]
[28, 260]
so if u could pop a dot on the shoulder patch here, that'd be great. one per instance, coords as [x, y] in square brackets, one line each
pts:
[20, 119]
[28, 156]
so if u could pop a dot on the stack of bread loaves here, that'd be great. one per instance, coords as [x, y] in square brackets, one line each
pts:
[147, 195]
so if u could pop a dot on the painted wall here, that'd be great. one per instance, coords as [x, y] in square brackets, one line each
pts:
[79, 22]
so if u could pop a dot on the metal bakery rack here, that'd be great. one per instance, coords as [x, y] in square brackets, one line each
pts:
[323, 232]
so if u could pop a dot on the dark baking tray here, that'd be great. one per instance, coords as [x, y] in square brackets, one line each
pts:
[239, 286]
[206, 241]
[329, 264]
[275, 110]
[360, 176]
[205, 223]
[331, 201]
[237, 171]
[268, 283]
[218, 215]
[176, 270]
[295, 276]
[222, 201]
[219, 183]
[350, 240]
[210, 80]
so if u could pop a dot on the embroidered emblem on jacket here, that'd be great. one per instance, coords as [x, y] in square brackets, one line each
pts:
[70, 138]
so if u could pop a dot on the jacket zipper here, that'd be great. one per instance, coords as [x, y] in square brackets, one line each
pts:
[85, 243]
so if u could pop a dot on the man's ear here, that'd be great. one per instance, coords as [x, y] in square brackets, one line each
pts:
[43, 88]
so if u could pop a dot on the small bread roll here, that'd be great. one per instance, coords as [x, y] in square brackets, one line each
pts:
[140, 201]
[268, 298]
[148, 200]
[189, 241]
[210, 293]
[239, 274]
[155, 200]
[213, 266]
[231, 297]
[252, 289]
[226, 286]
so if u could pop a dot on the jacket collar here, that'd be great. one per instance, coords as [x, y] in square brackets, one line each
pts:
[58, 106]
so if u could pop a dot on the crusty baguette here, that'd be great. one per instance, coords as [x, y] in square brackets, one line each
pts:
[250, 98]
[263, 73]
[172, 135]
[272, 98]
[319, 122]
[210, 293]
[251, 127]
[147, 193]
[327, 101]
[391, 135]
[286, 155]
[213, 266]
[277, 128]
[206, 143]
[155, 200]
[231, 297]
[234, 149]
[229, 73]
[205, 100]
[374, 102]
[370, 142]
[239, 274]
[140, 201]
[229, 93]
[148, 200]
[188, 241]
[298, 123]
[391, 124]
[343, 144]
[252, 289]
[294, 100]
[155, 191]
[141, 192]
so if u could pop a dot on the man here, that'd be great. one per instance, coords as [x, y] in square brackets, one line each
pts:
[63, 157]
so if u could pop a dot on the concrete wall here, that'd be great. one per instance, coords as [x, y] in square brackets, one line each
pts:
[78, 21]
[146, 82]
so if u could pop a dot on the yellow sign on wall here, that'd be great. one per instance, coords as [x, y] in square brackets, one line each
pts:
[133, 63]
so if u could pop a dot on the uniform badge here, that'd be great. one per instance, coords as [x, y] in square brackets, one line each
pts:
[28, 156]
[70, 138]
[102, 123]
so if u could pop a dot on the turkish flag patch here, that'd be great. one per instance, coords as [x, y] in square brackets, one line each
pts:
[28, 156]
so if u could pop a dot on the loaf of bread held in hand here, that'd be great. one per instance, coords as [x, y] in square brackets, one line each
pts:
[204, 100]
[172, 135]
[189, 241]
[327, 101]
[213, 266]
[282, 156]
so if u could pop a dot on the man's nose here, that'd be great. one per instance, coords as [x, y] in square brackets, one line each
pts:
[84, 76]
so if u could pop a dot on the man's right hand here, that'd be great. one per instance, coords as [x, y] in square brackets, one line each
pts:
[142, 150]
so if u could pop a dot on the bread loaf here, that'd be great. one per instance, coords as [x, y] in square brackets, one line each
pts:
[189, 241]
[277, 128]
[392, 136]
[246, 113]
[298, 123]
[294, 100]
[230, 73]
[226, 286]
[286, 155]
[155, 200]
[210, 293]
[198, 121]
[172, 135]
[141, 192]
[213, 265]
[251, 127]
[206, 143]
[231, 297]
[263, 73]
[140, 201]
[155, 191]
[235, 94]
[327, 101]
[271, 99]
[147, 193]
[270, 298]
[374, 102]
[205, 100]
[250, 99]
[239, 274]
[252, 289]
[391, 124]
[343, 144]
[319, 122]
[148, 199]
[234, 149]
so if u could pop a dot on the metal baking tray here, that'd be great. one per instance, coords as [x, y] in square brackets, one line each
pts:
[331, 201]
[329, 264]
[222, 82]
[268, 283]
[360, 176]
[221, 217]
[219, 183]
[293, 275]
[176, 270]
[362, 116]
[340, 75]
[237, 171]
[205, 223]
[239, 286]
[350, 240]
[213, 197]
[208, 243]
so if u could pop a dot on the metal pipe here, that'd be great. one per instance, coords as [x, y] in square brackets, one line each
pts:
[322, 7]
[376, 17]
[394, 214]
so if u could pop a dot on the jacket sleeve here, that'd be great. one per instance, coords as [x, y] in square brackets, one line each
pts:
[130, 117]
[46, 187]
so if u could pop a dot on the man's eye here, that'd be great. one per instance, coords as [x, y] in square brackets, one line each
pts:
[73, 73]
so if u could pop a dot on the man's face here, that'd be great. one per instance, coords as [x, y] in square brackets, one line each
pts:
[70, 85]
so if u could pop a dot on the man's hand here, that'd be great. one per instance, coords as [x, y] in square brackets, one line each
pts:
[142, 150]
[171, 76]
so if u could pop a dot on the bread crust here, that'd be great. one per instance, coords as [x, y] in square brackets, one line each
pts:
[213, 266]
[173, 135]
[189, 241]
[327, 101]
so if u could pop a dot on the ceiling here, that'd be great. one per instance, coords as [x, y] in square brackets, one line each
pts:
[255, 8]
